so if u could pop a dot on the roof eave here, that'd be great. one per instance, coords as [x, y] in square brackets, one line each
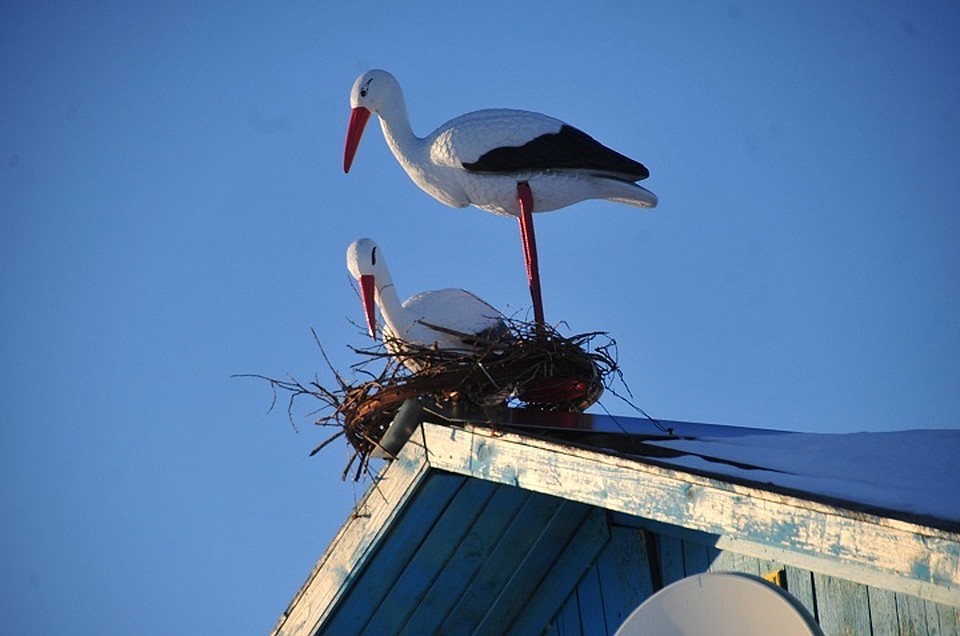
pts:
[871, 549]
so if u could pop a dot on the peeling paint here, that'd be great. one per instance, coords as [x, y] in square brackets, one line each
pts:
[874, 547]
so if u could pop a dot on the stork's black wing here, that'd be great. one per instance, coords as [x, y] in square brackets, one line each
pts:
[569, 149]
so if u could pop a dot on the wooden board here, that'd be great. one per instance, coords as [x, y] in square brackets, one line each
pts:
[887, 553]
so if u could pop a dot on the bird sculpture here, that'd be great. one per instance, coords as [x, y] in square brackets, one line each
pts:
[448, 319]
[510, 162]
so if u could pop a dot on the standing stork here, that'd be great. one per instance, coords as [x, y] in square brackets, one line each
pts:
[510, 162]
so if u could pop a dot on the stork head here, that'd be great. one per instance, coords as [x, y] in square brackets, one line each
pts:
[365, 264]
[371, 92]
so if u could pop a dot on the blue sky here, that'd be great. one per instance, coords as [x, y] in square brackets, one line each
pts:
[173, 211]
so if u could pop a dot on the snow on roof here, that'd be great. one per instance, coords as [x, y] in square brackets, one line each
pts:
[915, 472]
[911, 473]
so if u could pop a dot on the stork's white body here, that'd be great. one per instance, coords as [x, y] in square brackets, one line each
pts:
[444, 162]
[451, 309]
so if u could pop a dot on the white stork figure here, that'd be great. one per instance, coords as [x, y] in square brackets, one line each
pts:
[457, 312]
[510, 162]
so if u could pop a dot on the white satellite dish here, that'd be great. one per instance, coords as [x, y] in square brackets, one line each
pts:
[720, 604]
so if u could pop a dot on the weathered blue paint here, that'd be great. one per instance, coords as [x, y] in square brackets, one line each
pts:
[842, 607]
[921, 571]
[800, 586]
[623, 568]
[883, 612]
[783, 532]
[878, 553]
[483, 459]
[529, 538]
[912, 615]
[949, 619]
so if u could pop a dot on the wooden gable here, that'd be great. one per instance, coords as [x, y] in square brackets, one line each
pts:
[472, 530]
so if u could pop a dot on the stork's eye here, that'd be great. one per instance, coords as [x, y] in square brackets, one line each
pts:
[365, 87]
[373, 256]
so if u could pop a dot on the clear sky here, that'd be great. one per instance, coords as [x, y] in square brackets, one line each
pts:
[173, 211]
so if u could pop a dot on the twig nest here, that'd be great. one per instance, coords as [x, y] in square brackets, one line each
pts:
[528, 365]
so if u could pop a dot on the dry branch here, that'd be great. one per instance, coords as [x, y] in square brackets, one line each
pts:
[528, 365]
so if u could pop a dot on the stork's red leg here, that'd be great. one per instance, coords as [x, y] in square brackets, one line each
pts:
[529, 240]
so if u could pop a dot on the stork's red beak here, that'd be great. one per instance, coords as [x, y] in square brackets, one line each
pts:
[358, 120]
[368, 291]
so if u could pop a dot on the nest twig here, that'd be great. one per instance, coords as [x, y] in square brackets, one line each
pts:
[528, 364]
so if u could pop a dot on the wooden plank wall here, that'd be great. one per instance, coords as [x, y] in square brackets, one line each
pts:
[642, 557]
[473, 557]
